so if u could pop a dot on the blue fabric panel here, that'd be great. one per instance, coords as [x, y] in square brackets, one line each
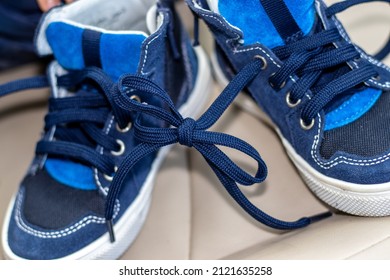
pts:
[352, 109]
[66, 43]
[71, 174]
[252, 19]
[120, 53]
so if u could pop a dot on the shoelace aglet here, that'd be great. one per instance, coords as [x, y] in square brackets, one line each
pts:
[110, 227]
[320, 217]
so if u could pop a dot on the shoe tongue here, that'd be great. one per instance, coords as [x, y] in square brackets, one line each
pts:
[269, 22]
[75, 47]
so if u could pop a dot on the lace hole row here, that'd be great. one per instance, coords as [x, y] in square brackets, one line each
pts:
[288, 96]
[129, 125]
[122, 147]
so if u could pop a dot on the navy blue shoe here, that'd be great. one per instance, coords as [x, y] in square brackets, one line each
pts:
[328, 100]
[120, 100]
[61, 209]
[18, 21]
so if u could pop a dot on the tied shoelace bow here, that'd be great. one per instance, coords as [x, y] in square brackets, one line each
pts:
[193, 133]
[312, 57]
[185, 131]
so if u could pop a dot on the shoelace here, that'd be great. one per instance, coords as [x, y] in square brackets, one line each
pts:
[192, 133]
[185, 131]
[342, 6]
[76, 122]
[309, 58]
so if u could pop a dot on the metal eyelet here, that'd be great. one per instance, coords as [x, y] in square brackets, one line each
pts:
[265, 63]
[305, 126]
[109, 178]
[124, 130]
[374, 79]
[122, 148]
[136, 98]
[272, 85]
[129, 125]
[289, 103]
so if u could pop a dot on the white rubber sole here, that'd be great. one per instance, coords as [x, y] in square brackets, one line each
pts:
[355, 199]
[131, 222]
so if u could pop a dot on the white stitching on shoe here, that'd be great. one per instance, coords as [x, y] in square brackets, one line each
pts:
[369, 103]
[96, 173]
[258, 48]
[146, 53]
[56, 234]
[341, 159]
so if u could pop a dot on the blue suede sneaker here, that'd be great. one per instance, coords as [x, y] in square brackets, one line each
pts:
[328, 100]
[61, 210]
[88, 189]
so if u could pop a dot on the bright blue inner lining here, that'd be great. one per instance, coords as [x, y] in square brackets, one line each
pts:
[250, 17]
[352, 109]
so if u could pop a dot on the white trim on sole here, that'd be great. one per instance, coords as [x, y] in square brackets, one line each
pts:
[131, 222]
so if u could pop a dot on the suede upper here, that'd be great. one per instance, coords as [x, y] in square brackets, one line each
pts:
[342, 165]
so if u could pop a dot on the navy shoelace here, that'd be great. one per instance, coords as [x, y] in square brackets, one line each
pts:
[89, 109]
[313, 56]
[76, 122]
[193, 133]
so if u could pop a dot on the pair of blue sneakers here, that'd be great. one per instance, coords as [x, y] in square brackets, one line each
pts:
[127, 84]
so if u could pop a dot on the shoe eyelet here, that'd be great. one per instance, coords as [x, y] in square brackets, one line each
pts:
[121, 150]
[376, 78]
[272, 85]
[357, 59]
[125, 129]
[305, 126]
[109, 178]
[265, 63]
[291, 104]
[136, 98]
